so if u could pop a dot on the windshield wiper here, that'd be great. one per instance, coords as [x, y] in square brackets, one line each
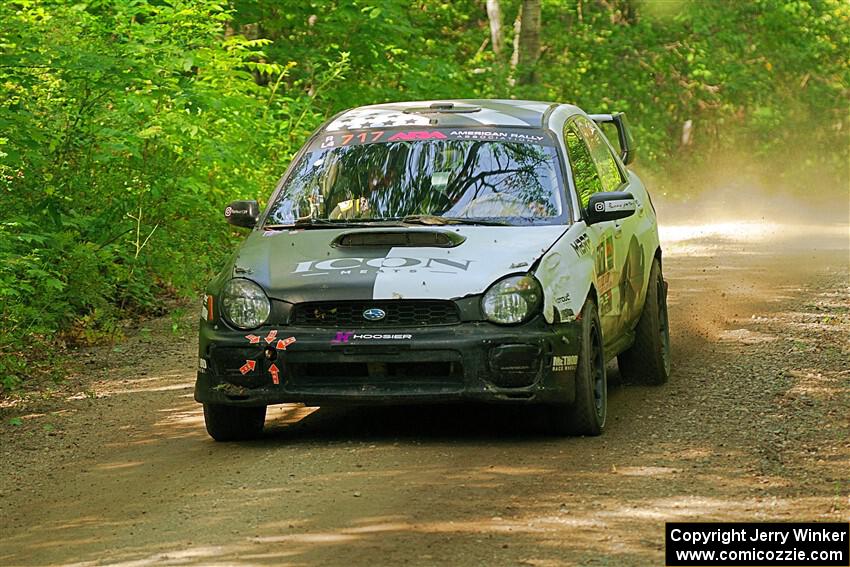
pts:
[435, 220]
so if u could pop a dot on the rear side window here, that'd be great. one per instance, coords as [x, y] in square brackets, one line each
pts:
[609, 173]
[585, 175]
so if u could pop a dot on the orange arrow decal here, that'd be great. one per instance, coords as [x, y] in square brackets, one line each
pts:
[253, 339]
[275, 372]
[247, 367]
[283, 343]
[271, 337]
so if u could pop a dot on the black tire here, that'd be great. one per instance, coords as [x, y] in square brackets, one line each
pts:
[234, 423]
[587, 414]
[647, 361]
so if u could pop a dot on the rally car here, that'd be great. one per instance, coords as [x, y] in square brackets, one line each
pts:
[488, 250]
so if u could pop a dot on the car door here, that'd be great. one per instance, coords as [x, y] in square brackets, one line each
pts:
[630, 233]
[618, 254]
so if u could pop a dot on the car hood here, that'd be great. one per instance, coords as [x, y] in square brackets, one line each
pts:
[317, 265]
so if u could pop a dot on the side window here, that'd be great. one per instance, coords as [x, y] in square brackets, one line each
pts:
[601, 154]
[585, 175]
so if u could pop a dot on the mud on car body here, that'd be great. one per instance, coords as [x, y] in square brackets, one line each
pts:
[417, 252]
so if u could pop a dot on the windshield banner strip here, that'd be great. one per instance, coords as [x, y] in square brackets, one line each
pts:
[372, 136]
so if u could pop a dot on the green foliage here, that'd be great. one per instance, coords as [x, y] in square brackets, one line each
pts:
[126, 125]
[767, 79]
[178, 323]
[767, 76]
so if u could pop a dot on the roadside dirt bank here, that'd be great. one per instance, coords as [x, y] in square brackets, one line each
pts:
[114, 468]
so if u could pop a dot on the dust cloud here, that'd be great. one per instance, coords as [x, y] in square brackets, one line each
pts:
[732, 200]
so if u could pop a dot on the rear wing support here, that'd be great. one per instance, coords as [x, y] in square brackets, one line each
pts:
[624, 134]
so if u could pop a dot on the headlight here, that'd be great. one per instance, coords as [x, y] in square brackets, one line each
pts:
[512, 300]
[244, 304]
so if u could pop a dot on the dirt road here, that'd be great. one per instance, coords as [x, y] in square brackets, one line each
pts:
[754, 425]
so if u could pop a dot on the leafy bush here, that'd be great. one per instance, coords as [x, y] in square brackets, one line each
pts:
[127, 126]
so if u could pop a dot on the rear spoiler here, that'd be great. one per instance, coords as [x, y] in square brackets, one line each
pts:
[624, 134]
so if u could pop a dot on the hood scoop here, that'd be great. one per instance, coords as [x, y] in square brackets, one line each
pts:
[398, 238]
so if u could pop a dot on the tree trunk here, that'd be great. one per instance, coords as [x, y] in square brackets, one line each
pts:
[621, 12]
[494, 14]
[515, 52]
[529, 41]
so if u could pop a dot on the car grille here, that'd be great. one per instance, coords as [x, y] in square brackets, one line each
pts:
[399, 313]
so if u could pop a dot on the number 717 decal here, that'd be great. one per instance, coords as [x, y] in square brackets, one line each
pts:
[362, 137]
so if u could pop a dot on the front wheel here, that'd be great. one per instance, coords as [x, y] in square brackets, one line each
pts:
[234, 423]
[587, 415]
[647, 361]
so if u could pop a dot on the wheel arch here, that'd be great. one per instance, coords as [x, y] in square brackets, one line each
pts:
[591, 294]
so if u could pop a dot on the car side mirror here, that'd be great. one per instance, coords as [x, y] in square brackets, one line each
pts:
[610, 206]
[242, 213]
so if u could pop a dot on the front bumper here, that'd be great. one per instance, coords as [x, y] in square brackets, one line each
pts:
[533, 362]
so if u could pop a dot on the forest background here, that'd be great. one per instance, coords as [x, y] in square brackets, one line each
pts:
[127, 125]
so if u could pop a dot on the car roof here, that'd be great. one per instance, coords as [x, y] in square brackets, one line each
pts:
[447, 113]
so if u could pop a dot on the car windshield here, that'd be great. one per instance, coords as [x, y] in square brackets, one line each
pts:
[445, 177]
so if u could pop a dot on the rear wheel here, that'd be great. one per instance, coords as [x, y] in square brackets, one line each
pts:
[234, 423]
[587, 414]
[647, 361]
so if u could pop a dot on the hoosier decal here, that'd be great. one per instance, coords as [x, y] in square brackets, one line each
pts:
[344, 337]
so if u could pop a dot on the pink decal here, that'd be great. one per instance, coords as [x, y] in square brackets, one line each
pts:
[342, 337]
[416, 135]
